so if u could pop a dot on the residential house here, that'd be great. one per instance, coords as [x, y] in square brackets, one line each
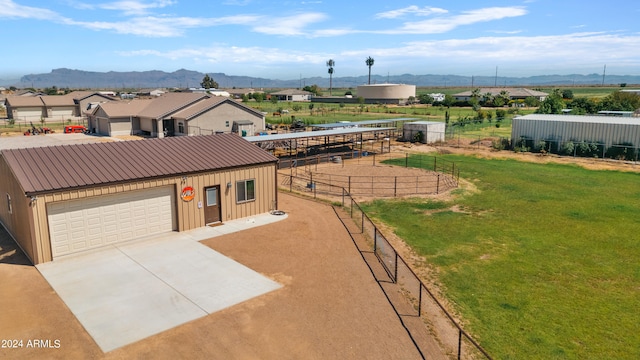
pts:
[292, 95]
[513, 93]
[176, 114]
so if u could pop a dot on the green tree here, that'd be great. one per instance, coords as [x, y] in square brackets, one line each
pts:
[567, 94]
[448, 100]
[620, 101]
[425, 99]
[273, 99]
[330, 64]
[531, 101]
[208, 82]
[314, 89]
[553, 104]
[369, 63]
[258, 97]
[245, 98]
[583, 105]
[51, 91]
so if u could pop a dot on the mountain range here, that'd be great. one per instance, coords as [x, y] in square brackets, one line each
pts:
[79, 79]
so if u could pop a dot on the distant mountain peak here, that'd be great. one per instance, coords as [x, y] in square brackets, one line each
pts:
[183, 78]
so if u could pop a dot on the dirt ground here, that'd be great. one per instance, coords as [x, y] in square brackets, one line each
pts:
[330, 305]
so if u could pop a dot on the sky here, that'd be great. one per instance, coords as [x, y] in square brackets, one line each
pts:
[294, 39]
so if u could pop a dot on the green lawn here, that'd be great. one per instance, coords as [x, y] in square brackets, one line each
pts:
[543, 262]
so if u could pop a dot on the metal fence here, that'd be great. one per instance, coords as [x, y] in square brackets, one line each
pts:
[423, 303]
[452, 338]
[438, 175]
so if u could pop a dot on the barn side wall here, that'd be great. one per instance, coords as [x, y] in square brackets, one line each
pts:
[563, 131]
[17, 220]
[189, 215]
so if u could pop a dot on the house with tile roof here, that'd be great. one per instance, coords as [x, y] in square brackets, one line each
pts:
[176, 114]
[292, 95]
[513, 93]
[52, 107]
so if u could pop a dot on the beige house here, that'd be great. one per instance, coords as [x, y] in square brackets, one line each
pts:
[116, 118]
[292, 95]
[175, 114]
[62, 200]
[513, 93]
[25, 108]
[52, 107]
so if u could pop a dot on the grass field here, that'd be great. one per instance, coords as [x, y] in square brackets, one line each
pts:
[543, 262]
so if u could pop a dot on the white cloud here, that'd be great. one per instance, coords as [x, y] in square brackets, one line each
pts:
[9, 9]
[410, 10]
[222, 53]
[129, 7]
[151, 26]
[569, 48]
[571, 52]
[293, 25]
[444, 24]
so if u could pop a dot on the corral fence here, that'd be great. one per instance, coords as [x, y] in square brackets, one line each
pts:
[313, 174]
[424, 305]
[452, 338]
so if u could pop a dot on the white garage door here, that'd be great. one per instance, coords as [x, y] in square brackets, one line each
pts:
[83, 224]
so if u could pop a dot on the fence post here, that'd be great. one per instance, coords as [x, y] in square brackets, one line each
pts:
[349, 184]
[438, 185]
[375, 237]
[420, 298]
[459, 344]
[395, 269]
[351, 206]
[406, 160]
[435, 159]
[395, 186]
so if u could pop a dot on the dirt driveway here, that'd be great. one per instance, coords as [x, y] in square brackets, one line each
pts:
[329, 307]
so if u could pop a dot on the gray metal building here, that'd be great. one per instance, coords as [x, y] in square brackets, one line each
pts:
[559, 129]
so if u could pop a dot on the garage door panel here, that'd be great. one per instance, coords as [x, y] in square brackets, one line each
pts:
[84, 224]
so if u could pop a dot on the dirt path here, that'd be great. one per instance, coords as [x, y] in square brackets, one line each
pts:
[329, 307]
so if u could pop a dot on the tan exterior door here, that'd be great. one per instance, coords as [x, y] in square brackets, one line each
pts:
[212, 208]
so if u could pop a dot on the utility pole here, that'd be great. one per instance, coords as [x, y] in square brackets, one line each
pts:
[495, 81]
[472, 81]
[604, 73]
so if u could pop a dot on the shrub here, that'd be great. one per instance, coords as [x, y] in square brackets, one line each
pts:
[624, 151]
[500, 144]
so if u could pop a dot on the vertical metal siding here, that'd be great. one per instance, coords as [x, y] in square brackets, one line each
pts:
[607, 133]
[17, 222]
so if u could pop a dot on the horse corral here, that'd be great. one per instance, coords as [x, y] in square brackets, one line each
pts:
[368, 177]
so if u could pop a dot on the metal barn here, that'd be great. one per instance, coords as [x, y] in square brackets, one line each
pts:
[560, 129]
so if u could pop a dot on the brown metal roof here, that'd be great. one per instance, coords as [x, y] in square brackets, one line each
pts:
[49, 169]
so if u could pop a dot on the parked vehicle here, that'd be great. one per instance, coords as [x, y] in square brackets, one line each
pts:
[74, 129]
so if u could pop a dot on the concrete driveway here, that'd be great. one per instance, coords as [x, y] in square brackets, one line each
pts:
[124, 293]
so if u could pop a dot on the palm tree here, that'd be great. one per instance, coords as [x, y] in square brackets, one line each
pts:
[369, 63]
[330, 64]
